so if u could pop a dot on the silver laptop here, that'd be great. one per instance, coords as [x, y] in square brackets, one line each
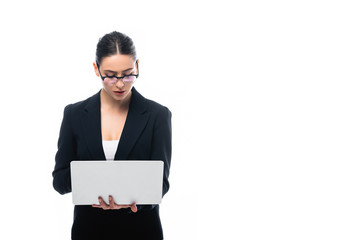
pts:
[126, 181]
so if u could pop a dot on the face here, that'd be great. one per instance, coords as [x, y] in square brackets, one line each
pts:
[117, 65]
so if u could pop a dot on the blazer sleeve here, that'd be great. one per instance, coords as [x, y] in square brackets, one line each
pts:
[161, 144]
[64, 155]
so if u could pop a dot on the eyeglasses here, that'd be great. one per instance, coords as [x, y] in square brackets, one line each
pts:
[126, 79]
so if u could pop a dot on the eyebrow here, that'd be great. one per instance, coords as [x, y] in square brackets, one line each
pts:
[116, 72]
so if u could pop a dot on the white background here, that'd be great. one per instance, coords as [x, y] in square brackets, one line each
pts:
[265, 102]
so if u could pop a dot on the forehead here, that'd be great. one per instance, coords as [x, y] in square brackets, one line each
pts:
[117, 63]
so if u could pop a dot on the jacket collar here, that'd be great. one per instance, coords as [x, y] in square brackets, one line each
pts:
[136, 120]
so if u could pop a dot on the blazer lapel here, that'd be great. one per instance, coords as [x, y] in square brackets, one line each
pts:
[91, 122]
[135, 123]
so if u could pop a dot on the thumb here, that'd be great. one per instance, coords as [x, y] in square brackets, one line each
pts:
[134, 208]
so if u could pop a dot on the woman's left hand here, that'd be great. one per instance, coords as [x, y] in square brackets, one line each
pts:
[112, 205]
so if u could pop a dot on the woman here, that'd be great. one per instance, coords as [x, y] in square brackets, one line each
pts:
[117, 123]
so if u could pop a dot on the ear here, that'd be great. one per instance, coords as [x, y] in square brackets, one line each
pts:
[96, 69]
[137, 70]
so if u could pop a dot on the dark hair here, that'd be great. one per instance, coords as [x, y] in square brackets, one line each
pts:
[114, 43]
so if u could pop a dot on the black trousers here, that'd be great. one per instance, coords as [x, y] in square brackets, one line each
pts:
[96, 223]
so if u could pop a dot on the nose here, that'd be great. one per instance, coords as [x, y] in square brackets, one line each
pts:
[120, 83]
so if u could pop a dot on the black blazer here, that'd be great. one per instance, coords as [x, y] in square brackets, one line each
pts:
[146, 136]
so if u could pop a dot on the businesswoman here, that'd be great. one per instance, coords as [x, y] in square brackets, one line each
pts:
[116, 123]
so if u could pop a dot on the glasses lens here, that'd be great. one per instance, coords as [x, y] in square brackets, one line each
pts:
[129, 79]
[110, 80]
[113, 80]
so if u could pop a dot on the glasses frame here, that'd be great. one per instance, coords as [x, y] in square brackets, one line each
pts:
[120, 78]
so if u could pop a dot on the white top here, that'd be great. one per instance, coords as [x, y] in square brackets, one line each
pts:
[110, 148]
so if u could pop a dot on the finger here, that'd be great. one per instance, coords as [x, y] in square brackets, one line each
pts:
[116, 206]
[113, 205]
[111, 202]
[98, 205]
[103, 204]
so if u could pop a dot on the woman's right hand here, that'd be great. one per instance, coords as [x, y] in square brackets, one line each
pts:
[112, 205]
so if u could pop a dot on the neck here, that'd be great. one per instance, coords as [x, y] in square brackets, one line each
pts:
[110, 103]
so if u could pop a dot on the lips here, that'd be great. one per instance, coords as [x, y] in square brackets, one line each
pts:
[119, 92]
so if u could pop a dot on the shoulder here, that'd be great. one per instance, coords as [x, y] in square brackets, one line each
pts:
[157, 107]
[160, 114]
[83, 104]
[152, 106]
